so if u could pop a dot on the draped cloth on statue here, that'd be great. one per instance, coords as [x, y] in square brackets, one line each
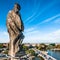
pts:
[15, 27]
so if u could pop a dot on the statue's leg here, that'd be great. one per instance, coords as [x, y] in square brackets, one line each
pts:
[16, 47]
[11, 47]
[12, 51]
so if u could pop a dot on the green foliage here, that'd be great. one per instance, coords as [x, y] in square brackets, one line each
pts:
[6, 52]
[42, 47]
[1, 45]
[53, 44]
[25, 47]
[49, 47]
[32, 52]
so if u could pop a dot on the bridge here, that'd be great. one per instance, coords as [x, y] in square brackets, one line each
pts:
[44, 55]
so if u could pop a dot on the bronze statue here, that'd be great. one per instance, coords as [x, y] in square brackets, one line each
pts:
[15, 28]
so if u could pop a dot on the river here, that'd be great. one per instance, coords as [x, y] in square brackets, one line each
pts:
[55, 54]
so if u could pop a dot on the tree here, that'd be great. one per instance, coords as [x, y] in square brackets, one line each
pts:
[1, 45]
[25, 47]
[53, 44]
[32, 52]
[42, 47]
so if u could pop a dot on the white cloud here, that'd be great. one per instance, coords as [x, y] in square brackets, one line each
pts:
[30, 17]
[45, 8]
[34, 14]
[4, 37]
[40, 37]
[57, 21]
[34, 36]
[29, 29]
[50, 19]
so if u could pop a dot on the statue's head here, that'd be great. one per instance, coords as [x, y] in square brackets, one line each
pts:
[17, 7]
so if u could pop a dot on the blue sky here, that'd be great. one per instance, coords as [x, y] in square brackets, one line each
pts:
[41, 20]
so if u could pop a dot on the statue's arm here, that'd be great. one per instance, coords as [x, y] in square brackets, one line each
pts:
[19, 23]
[22, 25]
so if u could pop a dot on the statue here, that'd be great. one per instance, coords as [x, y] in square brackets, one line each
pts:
[15, 28]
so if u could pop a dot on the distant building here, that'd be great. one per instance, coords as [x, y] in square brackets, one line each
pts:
[31, 44]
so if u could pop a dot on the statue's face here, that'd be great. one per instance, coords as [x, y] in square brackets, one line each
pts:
[16, 9]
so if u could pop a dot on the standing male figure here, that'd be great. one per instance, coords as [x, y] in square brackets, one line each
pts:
[15, 28]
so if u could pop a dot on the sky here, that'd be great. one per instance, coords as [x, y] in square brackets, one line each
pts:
[41, 20]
